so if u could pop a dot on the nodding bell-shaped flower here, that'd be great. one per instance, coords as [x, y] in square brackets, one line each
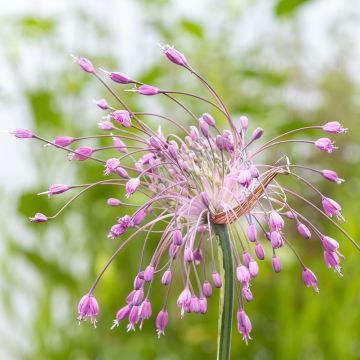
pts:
[276, 264]
[204, 127]
[177, 237]
[276, 222]
[310, 279]
[39, 217]
[63, 141]
[88, 307]
[304, 231]
[161, 322]
[332, 260]
[134, 318]
[122, 117]
[139, 217]
[22, 133]
[325, 144]
[166, 278]
[276, 240]
[334, 127]
[332, 208]
[175, 56]
[149, 273]
[246, 293]
[208, 119]
[148, 90]
[121, 315]
[242, 274]
[216, 278]
[331, 176]
[207, 289]
[132, 185]
[329, 243]
[111, 165]
[244, 325]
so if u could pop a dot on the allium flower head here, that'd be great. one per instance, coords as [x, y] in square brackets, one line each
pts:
[193, 180]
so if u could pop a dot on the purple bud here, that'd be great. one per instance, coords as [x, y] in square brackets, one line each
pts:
[276, 240]
[81, 153]
[166, 278]
[138, 296]
[245, 177]
[247, 258]
[325, 144]
[58, 189]
[332, 260]
[219, 142]
[145, 310]
[63, 141]
[188, 255]
[244, 122]
[257, 134]
[216, 278]
[39, 217]
[175, 56]
[102, 104]
[331, 176]
[242, 274]
[22, 133]
[253, 268]
[244, 325]
[134, 318]
[203, 305]
[120, 78]
[259, 251]
[106, 125]
[131, 186]
[198, 256]
[120, 146]
[139, 217]
[208, 119]
[331, 207]
[173, 251]
[204, 127]
[138, 282]
[88, 307]
[254, 172]
[122, 172]
[113, 202]
[304, 231]
[122, 117]
[246, 293]
[334, 127]
[174, 152]
[130, 297]
[276, 222]
[194, 133]
[177, 236]
[149, 273]
[161, 322]
[290, 215]
[194, 305]
[329, 243]
[121, 315]
[252, 233]
[148, 90]
[310, 279]
[207, 289]
[276, 264]
[85, 64]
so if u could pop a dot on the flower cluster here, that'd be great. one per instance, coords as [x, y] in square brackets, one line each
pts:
[193, 178]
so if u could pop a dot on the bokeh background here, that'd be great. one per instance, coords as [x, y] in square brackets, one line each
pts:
[284, 63]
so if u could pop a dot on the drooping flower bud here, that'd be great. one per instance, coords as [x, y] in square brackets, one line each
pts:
[276, 264]
[166, 278]
[276, 239]
[106, 125]
[85, 64]
[120, 146]
[122, 172]
[203, 305]
[254, 172]
[194, 305]
[259, 251]
[252, 233]
[149, 273]
[332, 260]
[132, 185]
[244, 325]
[161, 322]
[145, 310]
[246, 293]
[304, 231]
[290, 215]
[242, 274]
[253, 268]
[121, 315]
[247, 258]
[276, 222]
[204, 127]
[325, 144]
[244, 122]
[22, 133]
[257, 134]
[177, 236]
[148, 90]
[207, 289]
[331, 208]
[310, 279]
[188, 255]
[216, 278]
[329, 243]
[138, 282]
[334, 127]
[175, 56]
[245, 177]
[88, 307]
[139, 217]
[134, 318]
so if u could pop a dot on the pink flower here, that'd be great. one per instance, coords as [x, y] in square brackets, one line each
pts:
[216, 278]
[161, 322]
[244, 325]
[148, 90]
[175, 56]
[111, 165]
[207, 290]
[63, 141]
[325, 144]
[259, 251]
[252, 233]
[132, 185]
[276, 222]
[88, 307]
[22, 133]
[121, 315]
[39, 217]
[242, 274]
[166, 278]
[120, 78]
[102, 104]
[208, 119]
[81, 153]
[58, 189]
[85, 64]
[331, 207]
[113, 202]
[310, 279]
[334, 127]
[122, 117]
[331, 176]
[276, 264]
[304, 231]
[106, 125]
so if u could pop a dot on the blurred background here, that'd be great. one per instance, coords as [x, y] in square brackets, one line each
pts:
[284, 63]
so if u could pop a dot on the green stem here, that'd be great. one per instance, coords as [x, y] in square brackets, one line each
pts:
[226, 294]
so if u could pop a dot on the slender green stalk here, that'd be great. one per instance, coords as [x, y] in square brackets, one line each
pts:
[226, 305]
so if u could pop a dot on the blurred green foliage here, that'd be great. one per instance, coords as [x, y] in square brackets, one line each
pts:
[57, 262]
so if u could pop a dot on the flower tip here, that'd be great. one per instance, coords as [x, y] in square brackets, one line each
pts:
[84, 63]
